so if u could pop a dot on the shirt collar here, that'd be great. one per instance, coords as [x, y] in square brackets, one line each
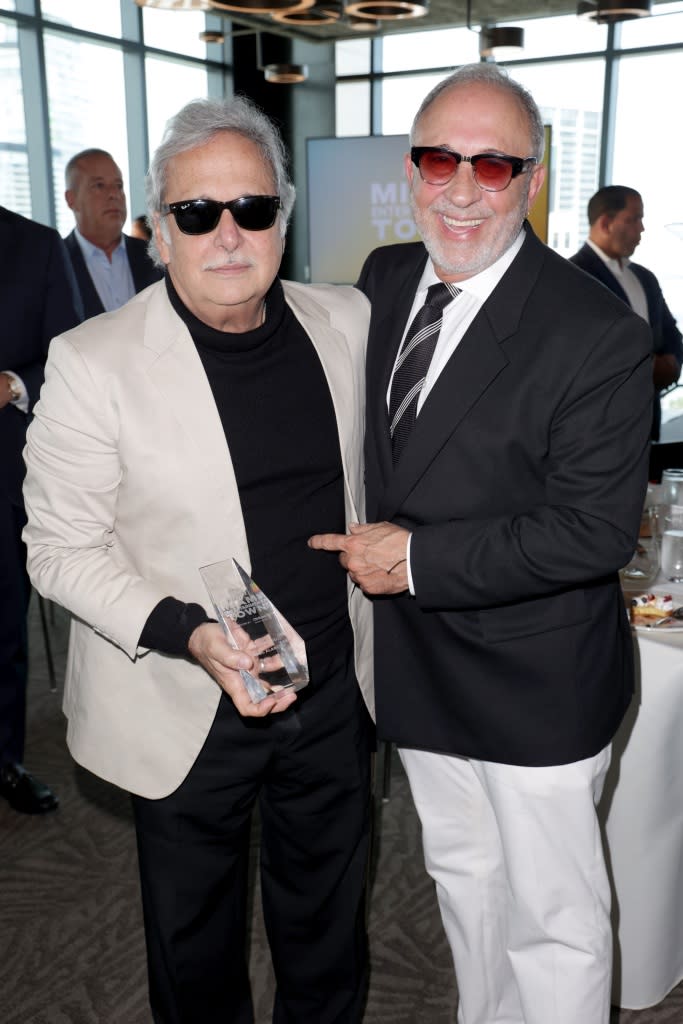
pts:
[616, 266]
[89, 250]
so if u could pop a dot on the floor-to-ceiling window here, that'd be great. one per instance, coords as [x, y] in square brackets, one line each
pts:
[80, 116]
[15, 184]
[104, 73]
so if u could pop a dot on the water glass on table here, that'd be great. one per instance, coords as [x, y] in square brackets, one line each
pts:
[671, 489]
[672, 545]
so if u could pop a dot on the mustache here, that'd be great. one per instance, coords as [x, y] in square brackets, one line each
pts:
[232, 261]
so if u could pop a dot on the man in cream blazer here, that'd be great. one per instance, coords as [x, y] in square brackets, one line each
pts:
[213, 417]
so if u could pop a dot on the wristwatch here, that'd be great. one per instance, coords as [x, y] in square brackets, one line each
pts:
[14, 389]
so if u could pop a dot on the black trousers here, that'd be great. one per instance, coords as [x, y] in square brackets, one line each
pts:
[15, 591]
[309, 770]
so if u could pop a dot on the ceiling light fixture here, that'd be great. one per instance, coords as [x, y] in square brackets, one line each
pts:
[324, 12]
[212, 36]
[176, 5]
[497, 41]
[358, 24]
[608, 12]
[388, 10]
[261, 6]
[500, 41]
[285, 74]
[279, 74]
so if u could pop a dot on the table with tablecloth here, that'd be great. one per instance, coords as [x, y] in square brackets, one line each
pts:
[642, 809]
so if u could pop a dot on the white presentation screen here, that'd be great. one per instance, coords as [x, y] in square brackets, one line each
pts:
[357, 200]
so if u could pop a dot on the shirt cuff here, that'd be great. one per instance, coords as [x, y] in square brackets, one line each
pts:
[411, 587]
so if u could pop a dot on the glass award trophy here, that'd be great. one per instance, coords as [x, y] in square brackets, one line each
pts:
[253, 624]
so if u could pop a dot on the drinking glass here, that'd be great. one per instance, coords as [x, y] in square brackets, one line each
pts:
[672, 486]
[672, 544]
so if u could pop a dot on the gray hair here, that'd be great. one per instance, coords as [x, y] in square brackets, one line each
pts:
[490, 74]
[198, 123]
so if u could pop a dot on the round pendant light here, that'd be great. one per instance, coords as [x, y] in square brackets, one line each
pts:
[323, 12]
[261, 6]
[387, 10]
[607, 12]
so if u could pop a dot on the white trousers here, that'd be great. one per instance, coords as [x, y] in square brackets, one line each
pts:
[516, 854]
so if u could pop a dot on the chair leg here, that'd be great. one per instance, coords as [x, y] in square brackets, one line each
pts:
[48, 645]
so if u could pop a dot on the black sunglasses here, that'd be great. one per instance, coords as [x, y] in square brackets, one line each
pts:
[492, 172]
[199, 216]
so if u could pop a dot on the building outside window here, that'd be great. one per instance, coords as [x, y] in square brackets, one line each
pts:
[15, 184]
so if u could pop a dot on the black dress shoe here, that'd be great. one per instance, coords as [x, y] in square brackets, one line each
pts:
[24, 792]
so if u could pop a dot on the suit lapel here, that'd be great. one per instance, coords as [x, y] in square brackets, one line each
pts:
[333, 352]
[386, 333]
[600, 270]
[133, 263]
[177, 373]
[92, 304]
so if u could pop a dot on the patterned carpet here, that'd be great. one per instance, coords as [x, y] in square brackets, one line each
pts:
[71, 944]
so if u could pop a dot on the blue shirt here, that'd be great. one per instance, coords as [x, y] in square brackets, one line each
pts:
[113, 280]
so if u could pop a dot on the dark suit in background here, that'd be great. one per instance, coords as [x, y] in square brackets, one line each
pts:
[616, 218]
[141, 267]
[665, 333]
[38, 298]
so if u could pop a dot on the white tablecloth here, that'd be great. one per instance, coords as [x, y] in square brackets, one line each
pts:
[643, 810]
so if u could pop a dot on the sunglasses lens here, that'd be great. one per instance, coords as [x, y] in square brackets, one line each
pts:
[255, 213]
[197, 216]
[492, 174]
[437, 167]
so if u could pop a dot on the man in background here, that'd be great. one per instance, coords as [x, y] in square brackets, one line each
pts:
[508, 413]
[39, 299]
[110, 267]
[140, 228]
[615, 215]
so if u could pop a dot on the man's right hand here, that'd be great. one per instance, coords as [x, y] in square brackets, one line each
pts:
[209, 646]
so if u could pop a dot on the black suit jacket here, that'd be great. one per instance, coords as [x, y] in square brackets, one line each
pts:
[39, 299]
[666, 336]
[141, 267]
[522, 483]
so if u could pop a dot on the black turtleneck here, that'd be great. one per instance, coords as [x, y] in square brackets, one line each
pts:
[275, 406]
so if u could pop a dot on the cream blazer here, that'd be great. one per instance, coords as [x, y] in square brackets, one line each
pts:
[129, 489]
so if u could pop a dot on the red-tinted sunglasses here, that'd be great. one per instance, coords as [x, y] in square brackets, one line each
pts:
[492, 172]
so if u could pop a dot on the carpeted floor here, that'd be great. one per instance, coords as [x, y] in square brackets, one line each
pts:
[71, 944]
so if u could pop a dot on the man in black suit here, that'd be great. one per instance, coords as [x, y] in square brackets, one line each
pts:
[39, 299]
[497, 523]
[110, 267]
[615, 215]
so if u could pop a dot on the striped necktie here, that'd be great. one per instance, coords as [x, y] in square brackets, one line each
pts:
[413, 363]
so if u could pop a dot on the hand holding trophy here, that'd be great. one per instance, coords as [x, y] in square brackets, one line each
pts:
[253, 624]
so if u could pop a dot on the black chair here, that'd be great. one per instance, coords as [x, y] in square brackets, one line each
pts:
[664, 455]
